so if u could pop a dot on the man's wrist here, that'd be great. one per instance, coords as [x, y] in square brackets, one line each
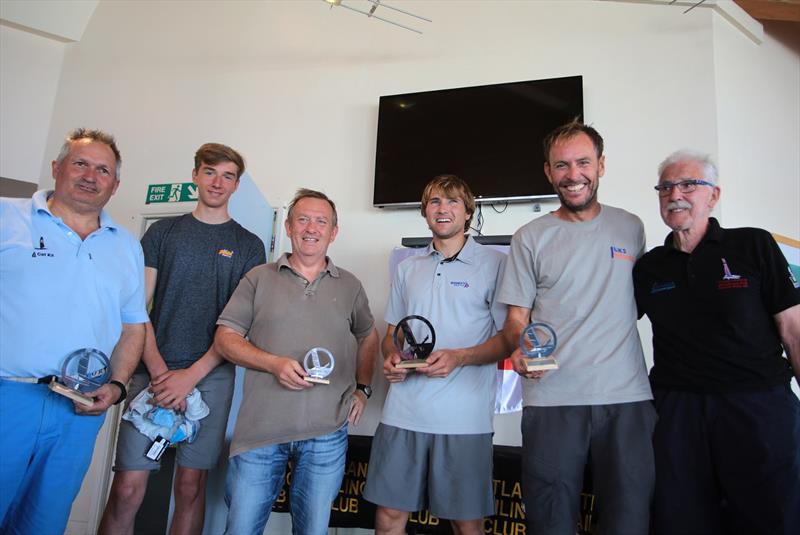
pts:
[364, 389]
[123, 392]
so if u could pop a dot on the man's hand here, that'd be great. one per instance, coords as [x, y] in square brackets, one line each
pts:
[392, 373]
[442, 362]
[519, 361]
[171, 388]
[104, 397]
[289, 373]
[357, 407]
[155, 367]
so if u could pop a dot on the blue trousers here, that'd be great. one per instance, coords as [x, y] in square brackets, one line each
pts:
[727, 463]
[256, 476]
[45, 450]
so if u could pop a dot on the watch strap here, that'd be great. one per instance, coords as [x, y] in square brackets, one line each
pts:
[123, 391]
[364, 388]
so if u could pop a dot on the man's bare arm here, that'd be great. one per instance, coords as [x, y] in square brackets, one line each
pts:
[151, 356]
[365, 365]
[788, 323]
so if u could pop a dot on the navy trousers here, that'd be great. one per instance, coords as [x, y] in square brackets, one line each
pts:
[727, 463]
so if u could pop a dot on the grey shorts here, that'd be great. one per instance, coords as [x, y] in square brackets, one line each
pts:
[449, 474]
[202, 454]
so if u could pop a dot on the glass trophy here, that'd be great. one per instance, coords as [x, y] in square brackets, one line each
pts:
[318, 364]
[414, 339]
[538, 342]
[84, 370]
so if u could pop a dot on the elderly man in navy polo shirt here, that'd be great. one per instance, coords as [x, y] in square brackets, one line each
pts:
[71, 279]
[724, 306]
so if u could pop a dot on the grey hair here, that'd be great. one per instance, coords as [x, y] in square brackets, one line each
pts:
[709, 167]
[94, 135]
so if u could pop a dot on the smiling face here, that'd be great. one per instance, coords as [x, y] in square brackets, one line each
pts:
[574, 170]
[687, 211]
[216, 183]
[446, 216]
[86, 177]
[311, 228]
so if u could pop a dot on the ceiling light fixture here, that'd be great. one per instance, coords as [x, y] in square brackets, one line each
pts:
[371, 13]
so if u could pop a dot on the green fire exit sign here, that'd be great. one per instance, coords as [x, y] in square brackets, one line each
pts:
[181, 192]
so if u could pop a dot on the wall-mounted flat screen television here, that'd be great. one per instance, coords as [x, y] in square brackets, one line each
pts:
[490, 135]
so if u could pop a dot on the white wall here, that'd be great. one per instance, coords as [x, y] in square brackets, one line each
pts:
[758, 120]
[295, 87]
[30, 67]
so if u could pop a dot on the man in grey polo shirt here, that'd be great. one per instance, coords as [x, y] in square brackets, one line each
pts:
[433, 447]
[572, 270]
[277, 314]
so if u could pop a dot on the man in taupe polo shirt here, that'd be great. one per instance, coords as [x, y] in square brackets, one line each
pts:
[286, 308]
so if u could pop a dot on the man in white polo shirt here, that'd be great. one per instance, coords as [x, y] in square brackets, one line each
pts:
[433, 447]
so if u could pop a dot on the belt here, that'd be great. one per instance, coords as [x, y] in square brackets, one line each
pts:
[32, 380]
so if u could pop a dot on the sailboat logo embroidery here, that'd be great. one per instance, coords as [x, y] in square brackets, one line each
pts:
[730, 279]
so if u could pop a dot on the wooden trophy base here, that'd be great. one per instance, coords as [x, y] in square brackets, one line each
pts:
[541, 364]
[74, 395]
[412, 364]
[318, 380]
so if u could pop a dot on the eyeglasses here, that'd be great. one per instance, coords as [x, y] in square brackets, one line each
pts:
[687, 185]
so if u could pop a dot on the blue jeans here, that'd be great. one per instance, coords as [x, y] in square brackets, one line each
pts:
[255, 478]
[45, 450]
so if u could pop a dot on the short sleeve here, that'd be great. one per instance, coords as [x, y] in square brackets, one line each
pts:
[239, 312]
[362, 320]
[133, 310]
[151, 243]
[257, 255]
[518, 285]
[397, 307]
[779, 288]
[498, 310]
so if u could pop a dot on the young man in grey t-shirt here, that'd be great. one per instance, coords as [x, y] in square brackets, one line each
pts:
[193, 264]
[572, 270]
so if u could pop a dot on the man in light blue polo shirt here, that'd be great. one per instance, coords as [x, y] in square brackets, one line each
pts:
[433, 447]
[70, 278]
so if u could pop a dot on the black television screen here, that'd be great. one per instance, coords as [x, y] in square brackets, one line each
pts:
[490, 135]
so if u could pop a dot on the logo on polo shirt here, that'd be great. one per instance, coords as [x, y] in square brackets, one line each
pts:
[619, 253]
[662, 287]
[461, 284]
[41, 250]
[227, 253]
[730, 279]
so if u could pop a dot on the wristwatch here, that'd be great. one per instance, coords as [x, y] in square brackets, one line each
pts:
[123, 392]
[364, 388]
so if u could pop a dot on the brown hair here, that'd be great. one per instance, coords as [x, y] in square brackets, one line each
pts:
[304, 193]
[454, 188]
[92, 134]
[569, 131]
[214, 153]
